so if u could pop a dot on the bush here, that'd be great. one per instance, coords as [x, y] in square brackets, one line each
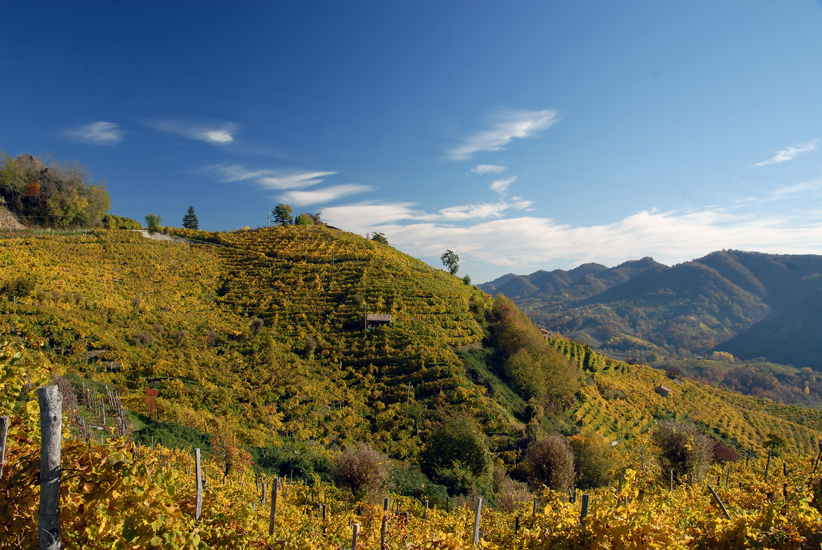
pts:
[20, 287]
[153, 223]
[683, 449]
[361, 469]
[594, 461]
[456, 454]
[509, 493]
[722, 453]
[305, 462]
[411, 482]
[550, 462]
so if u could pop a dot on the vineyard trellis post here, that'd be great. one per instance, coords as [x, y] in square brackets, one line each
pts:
[51, 428]
[477, 515]
[355, 536]
[425, 510]
[671, 485]
[4, 432]
[273, 519]
[719, 502]
[197, 472]
[768, 465]
[584, 512]
[383, 532]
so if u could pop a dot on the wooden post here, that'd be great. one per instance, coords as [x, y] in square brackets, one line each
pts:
[384, 533]
[356, 535]
[815, 464]
[386, 504]
[719, 501]
[273, 519]
[198, 473]
[534, 512]
[516, 524]
[477, 515]
[672, 483]
[768, 465]
[584, 513]
[4, 432]
[785, 469]
[264, 490]
[425, 511]
[785, 491]
[51, 428]
[407, 517]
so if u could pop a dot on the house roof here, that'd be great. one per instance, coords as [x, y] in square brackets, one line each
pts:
[663, 388]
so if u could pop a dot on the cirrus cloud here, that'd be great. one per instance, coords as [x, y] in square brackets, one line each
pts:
[790, 153]
[508, 126]
[213, 133]
[96, 133]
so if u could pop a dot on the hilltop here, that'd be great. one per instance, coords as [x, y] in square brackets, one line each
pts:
[644, 309]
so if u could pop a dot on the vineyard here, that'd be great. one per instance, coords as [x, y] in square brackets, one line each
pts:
[120, 495]
[254, 342]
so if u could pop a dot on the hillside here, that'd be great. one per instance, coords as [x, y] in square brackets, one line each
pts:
[260, 333]
[791, 336]
[643, 309]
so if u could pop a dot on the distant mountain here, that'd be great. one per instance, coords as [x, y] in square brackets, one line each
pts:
[641, 308]
[791, 337]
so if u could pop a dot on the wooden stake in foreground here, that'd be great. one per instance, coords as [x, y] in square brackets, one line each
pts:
[477, 522]
[273, 519]
[51, 427]
[197, 472]
[4, 432]
[356, 535]
[719, 501]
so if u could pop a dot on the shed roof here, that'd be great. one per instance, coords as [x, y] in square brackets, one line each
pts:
[378, 317]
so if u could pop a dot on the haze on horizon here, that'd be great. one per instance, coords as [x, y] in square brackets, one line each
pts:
[523, 136]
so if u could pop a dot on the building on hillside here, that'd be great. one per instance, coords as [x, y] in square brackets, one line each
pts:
[374, 320]
[663, 391]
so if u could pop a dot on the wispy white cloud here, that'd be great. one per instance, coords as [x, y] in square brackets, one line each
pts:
[483, 169]
[790, 153]
[501, 186]
[269, 179]
[213, 133]
[327, 194]
[803, 187]
[96, 133]
[510, 125]
[293, 180]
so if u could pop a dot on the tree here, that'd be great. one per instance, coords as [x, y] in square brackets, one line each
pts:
[450, 261]
[283, 214]
[379, 238]
[550, 462]
[773, 441]
[190, 220]
[456, 454]
[153, 223]
[361, 469]
[683, 449]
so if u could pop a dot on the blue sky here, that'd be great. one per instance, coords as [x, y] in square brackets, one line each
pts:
[521, 135]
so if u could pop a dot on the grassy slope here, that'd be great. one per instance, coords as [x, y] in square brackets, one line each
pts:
[304, 283]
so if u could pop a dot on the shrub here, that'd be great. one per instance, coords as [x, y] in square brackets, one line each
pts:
[180, 337]
[456, 454]
[722, 453]
[509, 493]
[153, 223]
[593, 460]
[305, 462]
[683, 448]
[361, 469]
[20, 287]
[256, 326]
[550, 462]
[411, 482]
[212, 338]
[143, 339]
[67, 391]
